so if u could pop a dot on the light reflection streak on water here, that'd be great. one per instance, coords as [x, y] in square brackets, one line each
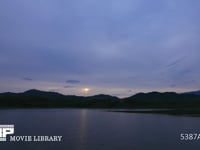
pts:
[83, 129]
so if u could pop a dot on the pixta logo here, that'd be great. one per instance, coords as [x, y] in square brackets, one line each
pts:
[6, 130]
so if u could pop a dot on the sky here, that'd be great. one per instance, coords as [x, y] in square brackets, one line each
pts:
[88, 47]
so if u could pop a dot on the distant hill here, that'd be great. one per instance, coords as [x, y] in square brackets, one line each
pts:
[163, 100]
[102, 97]
[41, 99]
[34, 92]
[193, 92]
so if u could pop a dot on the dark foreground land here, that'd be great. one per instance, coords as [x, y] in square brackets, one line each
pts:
[169, 102]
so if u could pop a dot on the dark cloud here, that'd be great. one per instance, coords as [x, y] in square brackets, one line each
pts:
[27, 79]
[176, 62]
[69, 86]
[73, 81]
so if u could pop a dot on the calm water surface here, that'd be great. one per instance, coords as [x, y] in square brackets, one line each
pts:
[98, 129]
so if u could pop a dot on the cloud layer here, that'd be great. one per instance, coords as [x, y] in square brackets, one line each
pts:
[129, 44]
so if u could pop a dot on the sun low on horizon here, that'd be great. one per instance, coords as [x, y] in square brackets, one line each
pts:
[86, 90]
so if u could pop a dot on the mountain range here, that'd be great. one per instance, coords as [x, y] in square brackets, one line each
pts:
[193, 92]
[41, 99]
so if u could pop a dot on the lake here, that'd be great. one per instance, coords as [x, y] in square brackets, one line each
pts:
[99, 129]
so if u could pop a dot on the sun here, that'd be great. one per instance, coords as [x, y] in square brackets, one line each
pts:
[86, 90]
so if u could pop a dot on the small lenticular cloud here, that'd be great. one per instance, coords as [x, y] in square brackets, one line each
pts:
[69, 86]
[27, 79]
[73, 81]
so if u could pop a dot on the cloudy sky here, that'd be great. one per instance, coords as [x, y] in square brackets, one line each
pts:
[117, 47]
